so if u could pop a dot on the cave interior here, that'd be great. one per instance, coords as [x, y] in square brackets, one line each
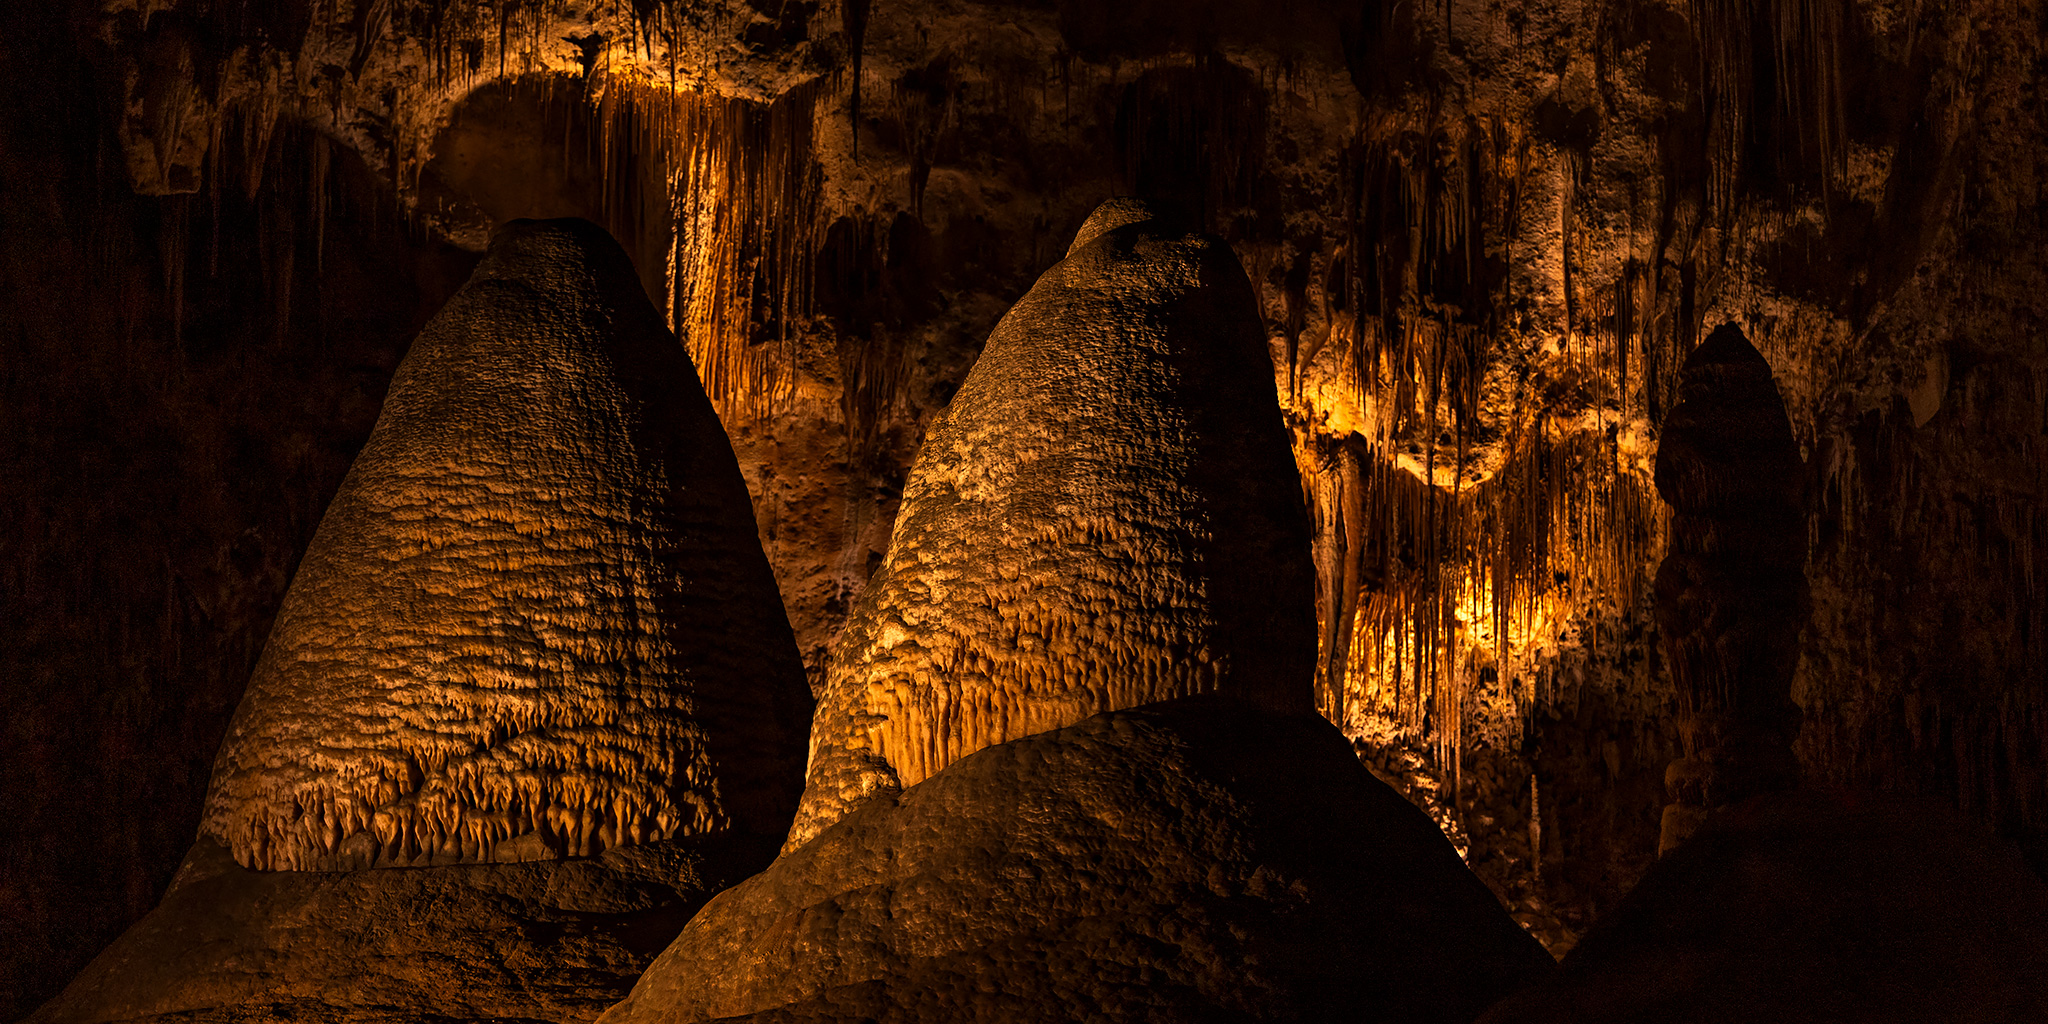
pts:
[958, 510]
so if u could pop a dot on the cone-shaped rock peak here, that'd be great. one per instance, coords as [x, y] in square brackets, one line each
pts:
[536, 620]
[1107, 515]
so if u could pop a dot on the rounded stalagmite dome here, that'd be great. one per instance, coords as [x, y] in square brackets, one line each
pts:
[1108, 515]
[536, 620]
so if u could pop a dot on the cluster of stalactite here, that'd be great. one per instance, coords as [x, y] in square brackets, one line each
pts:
[1887, 511]
[742, 202]
[1477, 463]
[1424, 588]
[721, 188]
[1471, 501]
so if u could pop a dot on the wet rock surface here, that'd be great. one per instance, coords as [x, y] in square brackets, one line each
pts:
[1805, 907]
[1194, 860]
[1106, 516]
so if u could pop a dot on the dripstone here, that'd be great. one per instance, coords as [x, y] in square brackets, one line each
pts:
[535, 625]
[1107, 515]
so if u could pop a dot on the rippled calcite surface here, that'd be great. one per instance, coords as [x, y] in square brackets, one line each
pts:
[536, 621]
[1108, 515]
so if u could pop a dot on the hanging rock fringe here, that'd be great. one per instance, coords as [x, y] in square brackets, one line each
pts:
[742, 198]
[1433, 563]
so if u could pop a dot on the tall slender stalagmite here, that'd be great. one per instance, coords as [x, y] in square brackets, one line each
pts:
[1731, 595]
[1107, 516]
[536, 620]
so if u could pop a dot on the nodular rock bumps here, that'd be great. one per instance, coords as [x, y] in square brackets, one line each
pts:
[1107, 515]
[535, 624]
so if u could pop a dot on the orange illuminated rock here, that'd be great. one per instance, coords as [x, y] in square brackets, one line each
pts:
[536, 620]
[1107, 515]
[535, 626]
[1197, 860]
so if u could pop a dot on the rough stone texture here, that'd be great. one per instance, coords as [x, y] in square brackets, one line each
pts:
[535, 622]
[1106, 516]
[1194, 860]
[1810, 908]
[1731, 593]
[1572, 191]
[547, 941]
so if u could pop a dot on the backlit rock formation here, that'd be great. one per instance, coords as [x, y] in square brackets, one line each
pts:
[1106, 516]
[536, 621]
[1196, 860]
[1731, 594]
[1809, 908]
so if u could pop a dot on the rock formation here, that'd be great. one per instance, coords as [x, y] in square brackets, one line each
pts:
[1199, 859]
[536, 621]
[543, 940]
[1482, 238]
[535, 624]
[1731, 595]
[1106, 516]
[1811, 908]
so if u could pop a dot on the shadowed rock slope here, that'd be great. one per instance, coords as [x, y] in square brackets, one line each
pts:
[1106, 516]
[1807, 908]
[535, 624]
[1196, 860]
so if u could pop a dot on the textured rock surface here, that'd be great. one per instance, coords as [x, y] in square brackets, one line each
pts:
[535, 622]
[1193, 860]
[1534, 208]
[1106, 516]
[1800, 907]
[548, 941]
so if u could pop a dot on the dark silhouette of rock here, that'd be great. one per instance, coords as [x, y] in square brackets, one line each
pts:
[1808, 908]
[535, 624]
[1731, 594]
[1107, 515]
[1194, 860]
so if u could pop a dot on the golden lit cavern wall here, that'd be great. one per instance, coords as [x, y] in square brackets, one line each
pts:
[1481, 237]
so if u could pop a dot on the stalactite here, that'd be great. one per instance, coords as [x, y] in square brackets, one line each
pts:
[853, 22]
[741, 204]
[1467, 559]
[1772, 76]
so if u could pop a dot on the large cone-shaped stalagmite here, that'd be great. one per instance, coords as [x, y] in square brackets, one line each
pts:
[1195, 860]
[536, 619]
[535, 624]
[1107, 515]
